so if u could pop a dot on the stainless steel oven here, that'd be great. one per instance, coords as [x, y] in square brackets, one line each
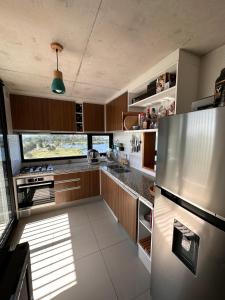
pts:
[35, 191]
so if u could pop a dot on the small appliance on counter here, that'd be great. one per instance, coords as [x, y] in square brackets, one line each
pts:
[93, 156]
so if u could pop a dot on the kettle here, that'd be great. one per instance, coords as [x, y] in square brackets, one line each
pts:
[93, 156]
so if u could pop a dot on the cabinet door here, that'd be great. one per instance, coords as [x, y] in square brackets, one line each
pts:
[93, 117]
[127, 212]
[61, 115]
[29, 113]
[114, 110]
[90, 184]
[33, 113]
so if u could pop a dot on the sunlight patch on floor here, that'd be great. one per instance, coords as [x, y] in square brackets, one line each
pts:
[52, 259]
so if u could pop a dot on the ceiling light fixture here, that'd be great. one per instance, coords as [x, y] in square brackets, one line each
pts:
[58, 86]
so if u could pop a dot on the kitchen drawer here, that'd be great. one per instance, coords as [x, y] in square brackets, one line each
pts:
[75, 186]
[68, 194]
[68, 183]
[67, 176]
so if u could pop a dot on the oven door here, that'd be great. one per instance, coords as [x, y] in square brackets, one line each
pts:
[35, 194]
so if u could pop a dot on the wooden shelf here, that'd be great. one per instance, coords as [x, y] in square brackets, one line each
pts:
[169, 94]
[145, 243]
[143, 130]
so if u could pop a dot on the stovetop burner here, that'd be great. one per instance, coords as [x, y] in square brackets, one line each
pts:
[36, 169]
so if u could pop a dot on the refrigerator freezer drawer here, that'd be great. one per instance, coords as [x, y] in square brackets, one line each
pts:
[172, 278]
[191, 158]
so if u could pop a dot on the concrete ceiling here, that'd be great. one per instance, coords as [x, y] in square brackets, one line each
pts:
[107, 43]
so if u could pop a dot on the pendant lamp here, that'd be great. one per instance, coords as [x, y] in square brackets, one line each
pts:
[58, 86]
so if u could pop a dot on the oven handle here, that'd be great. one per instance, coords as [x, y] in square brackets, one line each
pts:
[33, 185]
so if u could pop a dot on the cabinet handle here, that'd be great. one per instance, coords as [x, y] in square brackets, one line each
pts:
[68, 189]
[67, 180]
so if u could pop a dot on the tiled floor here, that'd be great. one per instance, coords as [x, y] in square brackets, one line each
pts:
[81, 253]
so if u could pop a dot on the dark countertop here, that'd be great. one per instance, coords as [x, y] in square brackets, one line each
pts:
[76, 167]
[135, 181]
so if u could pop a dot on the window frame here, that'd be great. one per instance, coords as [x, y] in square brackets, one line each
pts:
[90, 143]
[89, 146]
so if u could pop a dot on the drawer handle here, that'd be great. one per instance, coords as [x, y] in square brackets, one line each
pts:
[68, 189]
[67, 180]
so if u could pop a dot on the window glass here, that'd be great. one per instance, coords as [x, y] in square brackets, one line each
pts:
[101, 143]
[41, 146]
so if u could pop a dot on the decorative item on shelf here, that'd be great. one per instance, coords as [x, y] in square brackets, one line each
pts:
[58, 86]
[220, 89]
[141, 118]
[153, 118]
[151, 88]
[130, 119]
[165, 81]
[171, 109]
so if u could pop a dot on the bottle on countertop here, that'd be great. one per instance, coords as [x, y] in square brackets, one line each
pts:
[141, 119]
[219, 96]
[153, 118]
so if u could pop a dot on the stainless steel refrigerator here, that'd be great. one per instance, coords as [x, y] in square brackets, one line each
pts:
[188, 246]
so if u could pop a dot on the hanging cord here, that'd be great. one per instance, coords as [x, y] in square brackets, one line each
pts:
[57, 58]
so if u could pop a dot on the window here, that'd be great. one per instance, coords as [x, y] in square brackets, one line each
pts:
[101, 143]
[51, 146]
[59, 146]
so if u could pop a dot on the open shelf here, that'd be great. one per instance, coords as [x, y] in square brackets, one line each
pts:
[145, 244]
[149, 150]
[169, 94]
[145, 223]
[142, 130]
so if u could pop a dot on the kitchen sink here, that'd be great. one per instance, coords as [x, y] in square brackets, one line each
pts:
[118, 168]
[122, 170]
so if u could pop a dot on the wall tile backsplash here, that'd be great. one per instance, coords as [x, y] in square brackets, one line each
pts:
[135, 158]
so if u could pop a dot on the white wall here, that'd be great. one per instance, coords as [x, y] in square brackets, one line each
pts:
[210, 66]
[135, 158]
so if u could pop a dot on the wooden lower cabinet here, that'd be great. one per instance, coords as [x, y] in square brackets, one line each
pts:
[76, 186]
[122, 203]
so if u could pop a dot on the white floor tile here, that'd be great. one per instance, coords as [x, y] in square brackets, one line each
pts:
[128, 274]
[82, 253]
[97, 211]
[108, 232]
[92, 281]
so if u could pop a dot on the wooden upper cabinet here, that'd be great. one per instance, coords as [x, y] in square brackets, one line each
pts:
[93, 117]
[29, 113]
[61, 115]
[114, 110]
[33, 113]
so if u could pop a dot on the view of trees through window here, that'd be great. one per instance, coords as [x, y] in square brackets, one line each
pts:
[37, 146]
[100, 143]
[42, 146]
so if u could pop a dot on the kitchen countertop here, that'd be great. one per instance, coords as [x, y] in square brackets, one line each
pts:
[135, 181]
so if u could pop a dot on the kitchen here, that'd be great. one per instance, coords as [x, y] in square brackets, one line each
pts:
[111, 165]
